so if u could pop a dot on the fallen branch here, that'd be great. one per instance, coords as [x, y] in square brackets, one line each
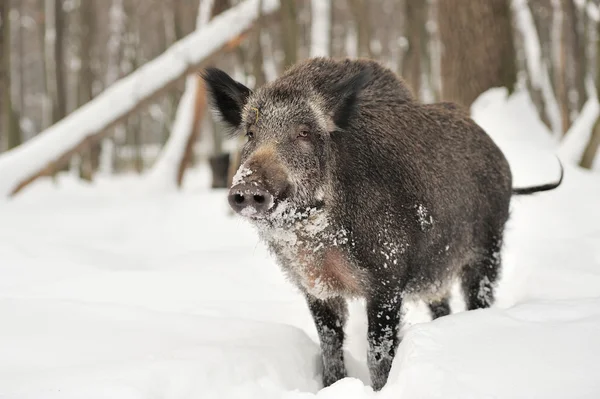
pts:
[53, 148]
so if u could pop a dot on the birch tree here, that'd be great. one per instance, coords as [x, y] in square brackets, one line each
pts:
[320, 37]
[591, 149]
[10, 125]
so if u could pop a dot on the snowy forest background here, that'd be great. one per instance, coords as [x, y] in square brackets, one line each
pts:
[124, 274]
[128, 61]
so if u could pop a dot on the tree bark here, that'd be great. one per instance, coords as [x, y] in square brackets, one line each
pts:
[90, 156]
[290, 32]
[21, 63]
[114, 46]
[561, 71]
[415, 20]
[59, 57]
[579, 52]
[360, 14]
[200, 105]
[320, 39]
[478, 50]
[591, 149]
[54, 39]
[540, 81]
[258, 70]
[10, 125]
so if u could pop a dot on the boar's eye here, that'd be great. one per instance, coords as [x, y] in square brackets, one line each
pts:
[250, 134]
[303, 134]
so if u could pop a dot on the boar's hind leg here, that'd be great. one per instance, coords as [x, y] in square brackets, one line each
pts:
[478, 279]
[439, 308]
[330, 316]
[383, 313]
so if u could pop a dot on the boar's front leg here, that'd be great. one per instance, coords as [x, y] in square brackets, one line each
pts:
[383, 313]
[330, 317]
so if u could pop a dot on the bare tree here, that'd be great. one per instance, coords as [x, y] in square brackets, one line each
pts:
[591, 149]
[578, 53]
[290, 32]
[415, 22]
[320, 39]
[20, 64]
[90, 156]
[360, 14]
[55, 61]
[534, 19]
[564, 16]
[478, 50]
[11, 125]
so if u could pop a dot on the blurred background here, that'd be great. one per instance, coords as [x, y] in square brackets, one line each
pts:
[122, 274]
[58, 55]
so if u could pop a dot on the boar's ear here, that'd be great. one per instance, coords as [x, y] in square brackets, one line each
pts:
[346, 94]
[228, 96]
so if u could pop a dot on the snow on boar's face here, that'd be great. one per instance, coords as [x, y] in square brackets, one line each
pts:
[288, 158]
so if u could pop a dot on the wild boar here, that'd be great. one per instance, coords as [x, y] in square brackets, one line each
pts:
[359, 190]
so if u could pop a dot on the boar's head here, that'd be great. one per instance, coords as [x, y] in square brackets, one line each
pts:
[288, 157]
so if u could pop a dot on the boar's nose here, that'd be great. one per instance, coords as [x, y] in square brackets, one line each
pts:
[249, 200]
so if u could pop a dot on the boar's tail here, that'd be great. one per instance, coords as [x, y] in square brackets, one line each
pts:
[543, 187]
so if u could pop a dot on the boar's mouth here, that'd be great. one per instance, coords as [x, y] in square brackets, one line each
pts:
[286, 212]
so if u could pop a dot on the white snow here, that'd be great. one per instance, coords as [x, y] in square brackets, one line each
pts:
[125, 94]
[240, 175]
[106, 292]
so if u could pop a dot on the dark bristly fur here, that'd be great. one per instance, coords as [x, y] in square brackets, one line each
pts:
[359, 190]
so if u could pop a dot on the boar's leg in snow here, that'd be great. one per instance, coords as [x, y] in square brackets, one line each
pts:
[330, 317]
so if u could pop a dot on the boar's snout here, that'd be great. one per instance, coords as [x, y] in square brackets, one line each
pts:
[249, 200]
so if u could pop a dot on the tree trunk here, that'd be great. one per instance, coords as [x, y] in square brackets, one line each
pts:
[116, 25]
[201, 102]
[258, 70]
[21, 62]
[59, 58]
[591, 149]
[320, 38]
[535, 17]
[10, 125]
[563, 21]
[289, 25]
[90, 157]
[589, 154]
[135, 131]
[55, 78]
[360, 14]
[579, 53]
[415, 20]
[478, 50]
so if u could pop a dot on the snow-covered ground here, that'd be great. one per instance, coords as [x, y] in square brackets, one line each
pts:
[109, 292]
